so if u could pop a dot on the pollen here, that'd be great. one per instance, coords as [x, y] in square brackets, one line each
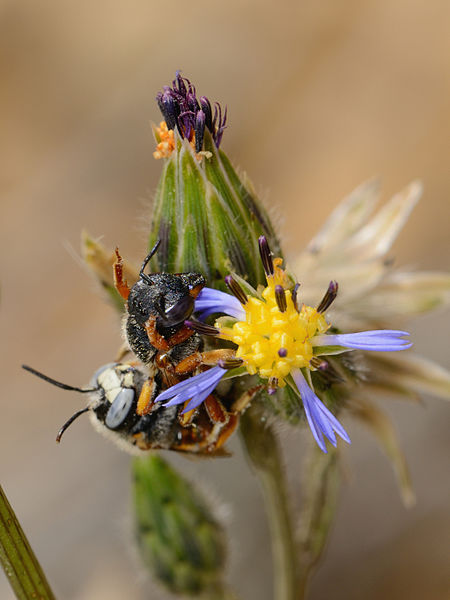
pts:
[166, 144]
[275, 336]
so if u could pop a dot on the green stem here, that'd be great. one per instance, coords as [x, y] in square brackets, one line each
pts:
[264, 455]
[17, 558]
[322, 482]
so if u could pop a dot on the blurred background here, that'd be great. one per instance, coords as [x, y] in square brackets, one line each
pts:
[321, 96]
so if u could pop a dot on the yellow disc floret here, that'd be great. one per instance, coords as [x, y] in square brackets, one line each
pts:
[270, 341]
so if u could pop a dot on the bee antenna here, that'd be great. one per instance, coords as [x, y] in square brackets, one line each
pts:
[64, 386]
[147, 258]
[69, 422]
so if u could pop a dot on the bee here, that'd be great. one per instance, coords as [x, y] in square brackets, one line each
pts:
[113, 398]
[157, 306]
[123, 396]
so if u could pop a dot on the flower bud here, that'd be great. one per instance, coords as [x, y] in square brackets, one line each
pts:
[206, 216]
[178, 537]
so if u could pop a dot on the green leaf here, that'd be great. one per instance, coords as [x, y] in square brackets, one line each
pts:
[18, 560]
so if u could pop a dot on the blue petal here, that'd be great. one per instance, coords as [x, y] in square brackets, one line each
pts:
[211, 301]
[333, 422]
[320, 419]
[197, 400]
[378, 340]
[193, 388]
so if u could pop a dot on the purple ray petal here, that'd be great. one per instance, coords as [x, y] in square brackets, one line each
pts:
[197, 400]
[379, 340]
[320, 419]
[193, 387]
[211, 301]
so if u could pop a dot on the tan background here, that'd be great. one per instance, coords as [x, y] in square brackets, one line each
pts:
[321, 96]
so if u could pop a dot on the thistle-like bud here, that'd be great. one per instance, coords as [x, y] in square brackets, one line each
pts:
[179, 539]
[207, 218]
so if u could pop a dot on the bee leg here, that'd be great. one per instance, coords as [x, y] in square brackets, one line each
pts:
[216, 410]
[119, 282]
[186, 418]
[244, 400]
[225, 432]
[180, 336]
[145, 403]
[155, 338]
[211, 358]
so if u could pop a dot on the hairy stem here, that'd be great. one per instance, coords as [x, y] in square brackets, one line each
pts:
[264, 456]
[18, 559]
[322, 482]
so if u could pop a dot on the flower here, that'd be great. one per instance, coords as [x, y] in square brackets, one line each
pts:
[280, 341]
[205, 213]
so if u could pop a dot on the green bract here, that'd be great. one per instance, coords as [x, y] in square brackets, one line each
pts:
[206, 217]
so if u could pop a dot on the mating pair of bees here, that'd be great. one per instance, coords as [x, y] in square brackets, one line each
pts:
[122, 396]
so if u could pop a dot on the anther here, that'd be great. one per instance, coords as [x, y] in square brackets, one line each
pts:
[230, 363]
[202, 328]
[282, 352]
[199, 130]
[327, 370]
[206, 108]
[266, 256]
[319, 363]
[294, 294]
[329, 297]
[273, 385]
[169, 109]
[280, 297]
[236, 289]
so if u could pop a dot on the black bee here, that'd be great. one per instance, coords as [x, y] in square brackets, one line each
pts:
[157, 306]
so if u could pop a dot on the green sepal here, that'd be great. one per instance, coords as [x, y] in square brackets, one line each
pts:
[238, 372]
[329, 350]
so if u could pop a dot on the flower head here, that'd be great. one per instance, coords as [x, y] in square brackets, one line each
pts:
[189, 115]
[205, 213]
[279, 340]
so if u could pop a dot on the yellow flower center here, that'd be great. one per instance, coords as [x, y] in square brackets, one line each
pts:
[271, 342]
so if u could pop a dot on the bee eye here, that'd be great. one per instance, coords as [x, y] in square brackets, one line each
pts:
[180, 311]
[119, 409]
